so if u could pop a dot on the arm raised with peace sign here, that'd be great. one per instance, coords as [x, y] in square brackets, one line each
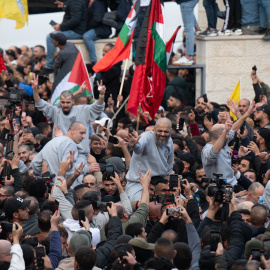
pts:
[102, 90]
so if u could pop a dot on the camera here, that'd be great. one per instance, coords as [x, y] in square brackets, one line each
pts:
[222, 191]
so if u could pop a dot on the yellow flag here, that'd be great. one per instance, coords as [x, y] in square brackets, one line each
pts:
[15, 10]
[235, 96]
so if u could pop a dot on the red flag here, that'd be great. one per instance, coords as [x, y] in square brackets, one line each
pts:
[79, 73]
[170, 43]
[150, 74]
[122, 46]
[2, 64]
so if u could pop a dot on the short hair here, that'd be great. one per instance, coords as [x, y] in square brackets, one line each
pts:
[28, 255]
[164, 121]
[125, 121]
[82, 205]
[244, 211]
[214, 134]
[199, 140]
[158, 263]
[9, 190]
[183, 258]
[66, 94]
[251, 161]
[164, 248]
[258, 215]
[44, 220]
[22, 194]
[110, 45]
[199, 167]
[85, 257]
[90, 196]
[75, 125]
[79, 187]
[252, 265]
[134, 229]
[172, 116]
[79, 96]
[41, 47]
[173, 71]
[255, 186]
[33, 206]
[24, 146]
[172, 233]
[115, 151]
[43, 126]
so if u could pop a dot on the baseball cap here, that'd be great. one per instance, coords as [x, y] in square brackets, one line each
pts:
[13, 204]
[61, 38]
[141, 243]
[186, 157]
[10, 52]
[102, 122]
[265, 134]
[265, 108]
[78, 239]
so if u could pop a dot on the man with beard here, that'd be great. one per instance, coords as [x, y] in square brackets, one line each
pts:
[152, 150]
[262, 116]
[64, 114]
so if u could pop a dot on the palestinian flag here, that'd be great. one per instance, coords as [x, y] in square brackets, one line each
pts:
[170, 43]
[2, 64]
[71, 77]
[150, 74]
[122, 46]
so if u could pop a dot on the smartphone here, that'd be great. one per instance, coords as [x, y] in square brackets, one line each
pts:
[214, 240]
[81, 216]
[173, 181]
[106, 123]
[110, 170]
[130, 129]
[209, 116]
[56, 205]
[40, 252]
[172, 212]
[27, 131]
[52, 23]
[242, 128]
[181, 123]
[256, 254]
[17, 121]
[113, 140]
[162, 113]
[121, 251]
[222, 109]
[228, 194]
[205, 98]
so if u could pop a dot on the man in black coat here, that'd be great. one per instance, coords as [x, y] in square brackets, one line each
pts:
[73, 26]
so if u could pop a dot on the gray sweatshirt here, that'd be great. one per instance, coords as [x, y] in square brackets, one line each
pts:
[54, 152]
[83, 113]
[147, 155]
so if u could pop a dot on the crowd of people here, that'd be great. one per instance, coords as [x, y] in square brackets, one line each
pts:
[86, 186]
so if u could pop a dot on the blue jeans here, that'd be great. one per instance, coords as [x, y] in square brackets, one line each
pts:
[51, 48]
[189, 23]
[89, 37]
[211, 12]
[264, 12]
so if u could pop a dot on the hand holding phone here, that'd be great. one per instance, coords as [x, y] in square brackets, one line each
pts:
[40, 253]
[52, 23]
[173, 181]
[81, 216]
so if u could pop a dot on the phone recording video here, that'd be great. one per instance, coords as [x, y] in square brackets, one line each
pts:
[214, 240]
[81, 216]
[113, 140]
[173, 181]
[40, 253]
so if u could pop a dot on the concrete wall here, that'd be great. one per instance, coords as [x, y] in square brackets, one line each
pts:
[229, 58]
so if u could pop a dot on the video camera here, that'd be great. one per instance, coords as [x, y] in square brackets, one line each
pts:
[223, 191]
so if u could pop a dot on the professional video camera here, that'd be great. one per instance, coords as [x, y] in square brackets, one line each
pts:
[223, 191]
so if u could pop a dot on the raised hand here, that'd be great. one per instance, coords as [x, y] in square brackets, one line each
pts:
[78, 169]
[233, 106]
[131, 140]
[34, 82]
[191, 117]
[101, 88]
[57, 131]
[63, 185]
[145, 181]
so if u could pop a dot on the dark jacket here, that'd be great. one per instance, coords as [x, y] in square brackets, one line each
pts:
[95, 16]
[75, 17]
[104, 252]
[179, 86]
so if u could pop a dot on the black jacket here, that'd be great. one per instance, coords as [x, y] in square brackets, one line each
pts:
[75, 17]
[95, 16]
[104, 251]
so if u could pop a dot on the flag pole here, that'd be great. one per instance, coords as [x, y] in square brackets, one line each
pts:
[118, 110]
[122, 82]
[138, 116]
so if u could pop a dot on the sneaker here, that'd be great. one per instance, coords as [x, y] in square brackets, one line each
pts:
[260, 31]
[197, 32]
[237, 32]
[209, 33]
[267, 35]
[226, 32]
[183, 61]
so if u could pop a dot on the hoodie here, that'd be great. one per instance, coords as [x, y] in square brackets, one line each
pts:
[72, 226]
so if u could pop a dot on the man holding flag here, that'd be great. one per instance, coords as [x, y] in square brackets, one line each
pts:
[65, 114]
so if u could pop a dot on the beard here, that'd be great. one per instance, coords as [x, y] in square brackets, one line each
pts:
[161, 142]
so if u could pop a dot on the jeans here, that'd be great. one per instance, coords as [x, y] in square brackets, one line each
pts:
[89, 37]
[189, 23]
[51, 48]
[264, 12]
[211, 12]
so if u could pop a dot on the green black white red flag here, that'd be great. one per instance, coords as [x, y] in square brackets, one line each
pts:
[150, 74]
[122, 46]
[170, 43]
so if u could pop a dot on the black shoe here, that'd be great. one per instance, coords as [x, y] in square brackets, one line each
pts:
[45, 71]
[260, 31]
[267, 35]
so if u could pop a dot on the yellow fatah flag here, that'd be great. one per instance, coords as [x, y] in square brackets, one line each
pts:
[15, 10]
[236, 96]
